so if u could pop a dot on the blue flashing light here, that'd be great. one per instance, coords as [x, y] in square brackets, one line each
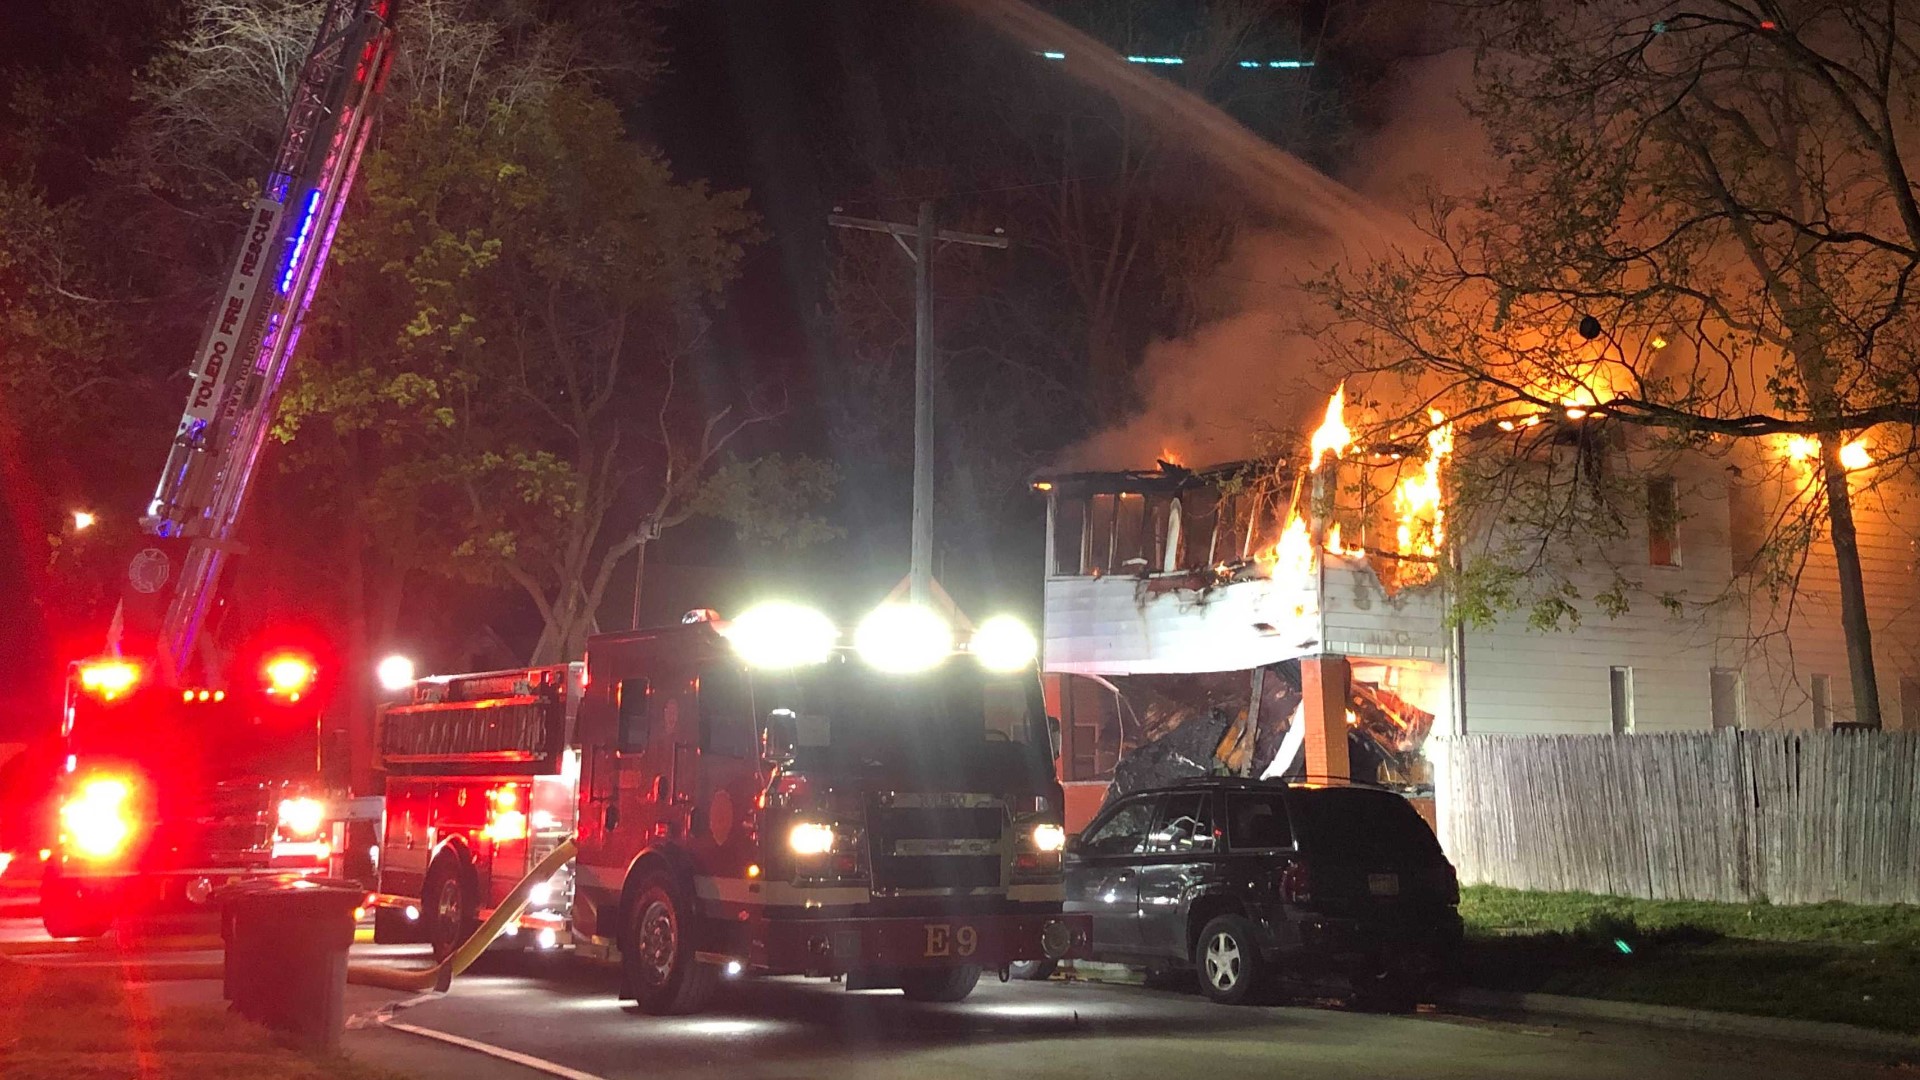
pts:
[1155, 60]
[1054, 55]
[1289, 63]
[1621, 944]
[300, 239]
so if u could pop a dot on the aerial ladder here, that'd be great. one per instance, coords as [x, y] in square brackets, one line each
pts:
[252, 333]
[180, 777]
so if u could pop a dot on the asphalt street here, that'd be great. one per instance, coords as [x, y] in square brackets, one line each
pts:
[565, 1013]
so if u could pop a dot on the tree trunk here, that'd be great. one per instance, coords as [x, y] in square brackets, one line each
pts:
[639, 579]
[1853, 593]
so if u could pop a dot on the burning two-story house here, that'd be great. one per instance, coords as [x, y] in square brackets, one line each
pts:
[1289, 617]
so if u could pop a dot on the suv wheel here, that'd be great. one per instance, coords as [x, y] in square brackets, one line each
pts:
[657, 951]
[1228, 960]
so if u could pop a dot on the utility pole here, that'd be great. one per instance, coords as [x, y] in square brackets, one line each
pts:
[924, 234]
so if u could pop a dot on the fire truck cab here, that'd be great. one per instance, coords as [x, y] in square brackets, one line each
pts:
[750, 797]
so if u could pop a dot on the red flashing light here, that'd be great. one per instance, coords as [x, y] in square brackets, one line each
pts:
[1768, 24]
[108, 679]
[288, 674]
[97, 822]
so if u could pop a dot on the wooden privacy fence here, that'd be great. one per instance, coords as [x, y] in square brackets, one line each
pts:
[1788, 817]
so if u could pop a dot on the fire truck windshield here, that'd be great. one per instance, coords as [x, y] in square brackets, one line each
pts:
[843, 713]
[239, 737]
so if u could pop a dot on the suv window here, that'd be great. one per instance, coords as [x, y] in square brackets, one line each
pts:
[1357, 824]
[1185, 825]
[1122, 833]
[1257, 819]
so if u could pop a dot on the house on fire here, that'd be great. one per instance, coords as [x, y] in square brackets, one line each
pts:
[1279, 618]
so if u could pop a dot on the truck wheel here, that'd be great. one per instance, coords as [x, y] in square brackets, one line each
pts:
[1032, 970]
[1228, 960]
[657, 951]
[447, 906]
[939, 984]
[68, 912]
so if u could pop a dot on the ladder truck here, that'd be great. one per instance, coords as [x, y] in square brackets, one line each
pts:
[183, 773]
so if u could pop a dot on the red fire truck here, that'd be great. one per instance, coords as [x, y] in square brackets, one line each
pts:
[748, 797]
[185, 768]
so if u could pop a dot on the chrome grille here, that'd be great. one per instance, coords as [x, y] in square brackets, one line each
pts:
[937, 841]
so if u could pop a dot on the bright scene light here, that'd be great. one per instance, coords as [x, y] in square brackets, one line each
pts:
[1854, 455]
[1049, 837]
[83, 520]
[302, 816]
[394, 673]
[1003, 643]
[810, 838]
[903, 638]
[777, 634]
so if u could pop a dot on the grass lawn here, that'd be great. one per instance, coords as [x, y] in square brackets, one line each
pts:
[91, 1025]
[1839, 962]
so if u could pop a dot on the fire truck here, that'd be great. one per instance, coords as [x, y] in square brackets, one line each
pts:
[747, 797]
[184, 768]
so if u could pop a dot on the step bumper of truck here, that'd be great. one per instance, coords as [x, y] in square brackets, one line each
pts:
[837, 946]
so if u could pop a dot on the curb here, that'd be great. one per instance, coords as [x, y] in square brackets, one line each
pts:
[1809, 1032]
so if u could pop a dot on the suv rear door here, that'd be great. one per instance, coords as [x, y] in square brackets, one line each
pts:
[1369, 851]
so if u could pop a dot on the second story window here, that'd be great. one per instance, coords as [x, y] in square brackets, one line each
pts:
[1663, 521]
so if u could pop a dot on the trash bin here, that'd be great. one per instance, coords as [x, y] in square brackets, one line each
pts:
[286, 957]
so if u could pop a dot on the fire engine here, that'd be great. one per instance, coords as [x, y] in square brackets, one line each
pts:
[180, 775]
[748, 797]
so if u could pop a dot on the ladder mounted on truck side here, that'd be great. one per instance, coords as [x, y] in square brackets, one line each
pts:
[254, 328]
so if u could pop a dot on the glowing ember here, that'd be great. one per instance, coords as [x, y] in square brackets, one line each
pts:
[1333, 436]
[1802, 448]
[1805, 449]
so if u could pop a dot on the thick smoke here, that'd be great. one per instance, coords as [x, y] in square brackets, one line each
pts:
[1224, 391]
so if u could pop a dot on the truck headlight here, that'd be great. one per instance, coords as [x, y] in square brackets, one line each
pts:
[302, 816]
[810, 838]
[1004, 644]
[1049, 838]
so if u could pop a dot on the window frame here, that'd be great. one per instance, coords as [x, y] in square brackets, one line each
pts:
[1211, 825]
[625, 720]
[1151, 802]
[1286, 819]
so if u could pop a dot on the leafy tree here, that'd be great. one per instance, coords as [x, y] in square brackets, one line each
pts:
[1703, 226]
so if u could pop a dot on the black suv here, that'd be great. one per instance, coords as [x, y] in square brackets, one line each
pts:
[1249, 881]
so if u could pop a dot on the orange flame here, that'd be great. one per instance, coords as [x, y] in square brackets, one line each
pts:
[1333, 436]
[1417, 499]
[1292, 556]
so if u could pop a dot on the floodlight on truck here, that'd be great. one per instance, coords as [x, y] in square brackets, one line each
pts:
[901, 639]
[1003, 644]
[778, 635]
[302, 816]
[810, 838]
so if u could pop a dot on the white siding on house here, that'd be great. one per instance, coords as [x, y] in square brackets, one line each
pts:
[1556, 682]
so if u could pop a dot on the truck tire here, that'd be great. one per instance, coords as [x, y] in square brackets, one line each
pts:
[1227, 957]
[447, 905]
[939, 984]
[68, 912]
[658, 950]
